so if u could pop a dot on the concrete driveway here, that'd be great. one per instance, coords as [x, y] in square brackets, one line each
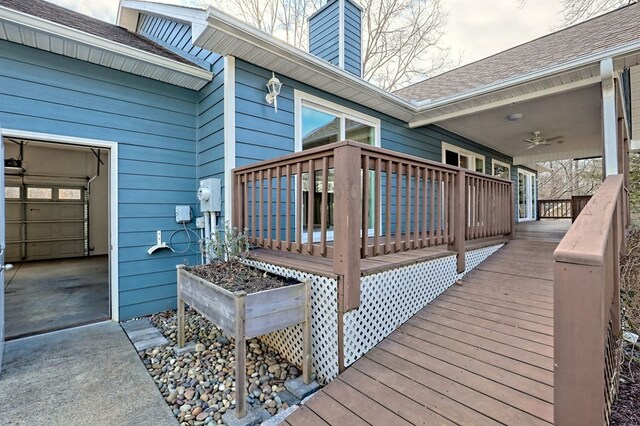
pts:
[89, 375]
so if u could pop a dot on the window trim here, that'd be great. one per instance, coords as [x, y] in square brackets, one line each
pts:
[472, 156]
[329, 107]
[495, 162]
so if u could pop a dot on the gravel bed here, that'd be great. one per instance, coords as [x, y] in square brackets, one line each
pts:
[199, 386]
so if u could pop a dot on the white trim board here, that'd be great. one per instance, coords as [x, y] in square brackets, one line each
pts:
[113, 198]
[229, 133]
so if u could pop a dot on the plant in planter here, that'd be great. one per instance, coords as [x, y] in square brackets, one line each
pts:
[244, 302]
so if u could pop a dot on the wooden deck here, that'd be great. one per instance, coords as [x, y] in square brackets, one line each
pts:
[481, 353]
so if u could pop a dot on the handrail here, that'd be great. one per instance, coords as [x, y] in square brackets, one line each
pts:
[587, 309]
[350, 201]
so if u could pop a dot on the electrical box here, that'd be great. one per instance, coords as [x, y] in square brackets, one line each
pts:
[200, 222]
[210, 195]
[183, 214]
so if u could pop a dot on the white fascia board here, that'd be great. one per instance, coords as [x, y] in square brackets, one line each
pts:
[81, 37]
[183, 14]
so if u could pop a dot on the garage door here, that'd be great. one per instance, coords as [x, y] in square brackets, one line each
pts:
[46, 222]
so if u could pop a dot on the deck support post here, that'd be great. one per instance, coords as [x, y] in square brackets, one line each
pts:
[512, 209]
[180, 312]
[241, 356]
[348, 207]
[459, 226]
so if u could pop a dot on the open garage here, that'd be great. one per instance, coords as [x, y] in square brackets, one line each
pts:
[57, 232]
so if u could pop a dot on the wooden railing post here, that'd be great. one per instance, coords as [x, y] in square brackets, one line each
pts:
[460, 223]
[512, 209]
[347, 227]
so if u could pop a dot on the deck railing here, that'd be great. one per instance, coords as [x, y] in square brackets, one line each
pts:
[554, 209]
[587, 309]
[350, 201]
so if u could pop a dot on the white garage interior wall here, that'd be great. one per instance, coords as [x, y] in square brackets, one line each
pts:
[59, 166]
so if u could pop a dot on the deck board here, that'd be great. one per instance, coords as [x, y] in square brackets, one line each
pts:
[480, 353]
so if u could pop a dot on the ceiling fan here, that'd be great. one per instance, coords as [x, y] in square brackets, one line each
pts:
[538, 140]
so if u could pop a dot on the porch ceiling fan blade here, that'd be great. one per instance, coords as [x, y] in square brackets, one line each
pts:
[555, 138]
[531, 146]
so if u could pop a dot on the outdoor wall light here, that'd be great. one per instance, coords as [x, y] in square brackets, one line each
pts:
[274, 86]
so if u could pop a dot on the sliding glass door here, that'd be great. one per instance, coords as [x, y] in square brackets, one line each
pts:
[526, 195]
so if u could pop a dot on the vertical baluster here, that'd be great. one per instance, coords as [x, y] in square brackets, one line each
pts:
[287, 210]
[245, 223]
[310, 205]
[324, 206]
[278, 237]
[446, 208]
[269, 210]
[440, 198]
[260, 208]
[483, 196]
[299, 207]
[398, 208]
[432, 210]
[387, 206]
[425, 207]
[416, 209]
[364, 244]
[254, 232]
[378, 213]
[407, 225]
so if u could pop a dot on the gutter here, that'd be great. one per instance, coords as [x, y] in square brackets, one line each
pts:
[81, 37]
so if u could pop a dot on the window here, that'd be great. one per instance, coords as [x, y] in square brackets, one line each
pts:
[12, 192]
[67, 194]
[459, 157]
[320, 122]
[34, 193]
[501, 169]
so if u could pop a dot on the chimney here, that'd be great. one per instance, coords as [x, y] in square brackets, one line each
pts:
[335, 35]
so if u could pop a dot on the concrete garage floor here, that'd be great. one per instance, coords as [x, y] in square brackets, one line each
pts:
[88, 375]
[54, 294]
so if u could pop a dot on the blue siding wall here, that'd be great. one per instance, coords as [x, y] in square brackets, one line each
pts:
[352, 38]
[323, 33]
[154, 125]
[176, 36]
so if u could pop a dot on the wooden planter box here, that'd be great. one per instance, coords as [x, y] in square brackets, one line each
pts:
[244, 316]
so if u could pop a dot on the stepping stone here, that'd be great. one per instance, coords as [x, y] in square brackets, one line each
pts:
[143, 334]
[254, 416]
[299, 389]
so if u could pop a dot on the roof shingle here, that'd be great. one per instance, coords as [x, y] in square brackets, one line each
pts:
[595, 35]
[96, 27]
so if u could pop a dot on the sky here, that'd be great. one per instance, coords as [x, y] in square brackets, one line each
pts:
[476, 29]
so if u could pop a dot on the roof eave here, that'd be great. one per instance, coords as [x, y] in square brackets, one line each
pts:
[226, 35]
[126, 58]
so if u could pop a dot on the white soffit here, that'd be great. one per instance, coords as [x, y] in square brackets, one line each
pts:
[29, 30]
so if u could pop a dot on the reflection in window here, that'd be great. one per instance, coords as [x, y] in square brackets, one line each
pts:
[318, 128]
[501, 170]
[359, 132]
[69, 194]
[39, 193]
[12, 192]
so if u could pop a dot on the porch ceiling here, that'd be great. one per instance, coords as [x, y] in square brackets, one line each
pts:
[575, 115]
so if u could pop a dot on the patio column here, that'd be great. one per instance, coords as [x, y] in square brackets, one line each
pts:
[609, 118]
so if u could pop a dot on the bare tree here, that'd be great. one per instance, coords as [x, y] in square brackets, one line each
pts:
[575, 11]
[401, 38]
[566, 178]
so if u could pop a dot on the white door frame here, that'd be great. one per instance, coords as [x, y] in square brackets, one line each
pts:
[531, 196]
[113, 197]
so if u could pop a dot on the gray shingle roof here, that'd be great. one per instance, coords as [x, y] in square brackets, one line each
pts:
[78, 21]
[596, 35]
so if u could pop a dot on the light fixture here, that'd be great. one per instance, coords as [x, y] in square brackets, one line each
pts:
[273, 85]
[515, 116]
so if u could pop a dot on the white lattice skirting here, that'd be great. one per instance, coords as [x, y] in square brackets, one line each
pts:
[324, 327]
[390, 298]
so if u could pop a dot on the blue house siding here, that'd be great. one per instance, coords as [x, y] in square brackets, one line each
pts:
[323, 33]
[154, 125]
[176, 37]
[352, 38]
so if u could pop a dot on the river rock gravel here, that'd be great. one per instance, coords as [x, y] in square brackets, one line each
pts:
[199, 386]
